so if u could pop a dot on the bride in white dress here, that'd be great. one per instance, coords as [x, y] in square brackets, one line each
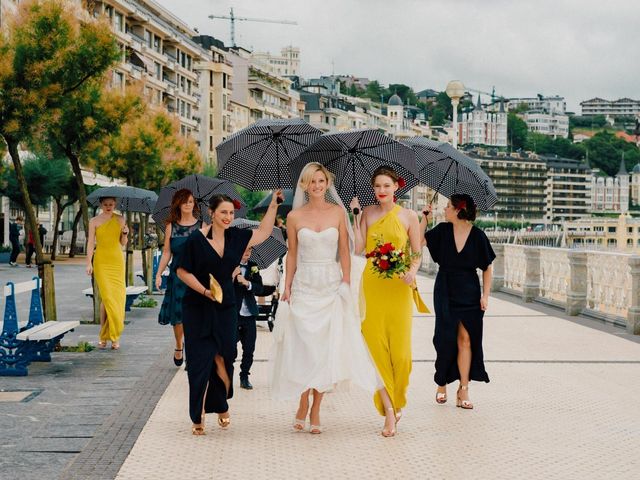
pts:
[318, 343]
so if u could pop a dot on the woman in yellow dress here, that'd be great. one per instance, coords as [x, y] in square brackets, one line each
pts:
[108, 233]
[389, 302]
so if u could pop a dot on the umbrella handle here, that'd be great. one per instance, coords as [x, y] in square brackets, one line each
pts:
[279, 200]
[356, 211]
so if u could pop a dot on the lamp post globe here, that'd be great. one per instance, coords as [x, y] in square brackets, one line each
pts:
[455, 91]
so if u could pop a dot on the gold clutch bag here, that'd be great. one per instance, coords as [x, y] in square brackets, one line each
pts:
[216, 289]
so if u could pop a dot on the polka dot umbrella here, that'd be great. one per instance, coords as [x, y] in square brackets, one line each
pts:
[258, 157]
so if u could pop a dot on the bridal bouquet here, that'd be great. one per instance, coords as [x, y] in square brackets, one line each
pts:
[389, 261]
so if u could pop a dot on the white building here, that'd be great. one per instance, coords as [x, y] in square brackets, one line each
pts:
[610, 194]
[482, 127]
[613, 108]
[286, 64]
[554, 104]
[552, 124]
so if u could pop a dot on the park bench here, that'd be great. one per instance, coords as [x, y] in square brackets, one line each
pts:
[157, 255]
[36, 340]
[132, 294]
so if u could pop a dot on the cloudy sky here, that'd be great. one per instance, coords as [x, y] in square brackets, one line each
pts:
[575, 48]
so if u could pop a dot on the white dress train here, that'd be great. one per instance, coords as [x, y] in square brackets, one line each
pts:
[317, 338]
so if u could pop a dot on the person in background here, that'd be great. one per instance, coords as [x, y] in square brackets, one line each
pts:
[248, 283]
[182, 222]
[14, 238]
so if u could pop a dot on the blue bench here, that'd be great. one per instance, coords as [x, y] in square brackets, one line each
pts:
[36, 340]
[132, 294]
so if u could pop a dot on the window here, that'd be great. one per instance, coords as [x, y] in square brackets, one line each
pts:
[118, 79]
[210, 99]
[158, 70]
[211, 79]
[611, 229]
[118, 22]
[148, 38]
[210, 122]
[210, 143]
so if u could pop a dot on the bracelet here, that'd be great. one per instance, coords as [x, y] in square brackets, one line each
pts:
[204, 292]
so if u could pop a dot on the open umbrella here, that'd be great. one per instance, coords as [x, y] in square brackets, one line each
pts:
[267, 252]
[202, 188]
[283, 209]
[258, 157]
[353, 156]
[449, 171]
[130, 199]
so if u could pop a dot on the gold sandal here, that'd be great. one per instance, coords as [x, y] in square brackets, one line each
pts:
[102, 344]
[392, 432]
[199, 430]
[224, 422]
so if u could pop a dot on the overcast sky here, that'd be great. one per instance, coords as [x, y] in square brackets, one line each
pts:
[575, 48]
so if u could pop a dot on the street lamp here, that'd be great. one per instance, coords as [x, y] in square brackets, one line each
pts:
[455, 91]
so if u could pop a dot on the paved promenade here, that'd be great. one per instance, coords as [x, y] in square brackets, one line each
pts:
[562, 403]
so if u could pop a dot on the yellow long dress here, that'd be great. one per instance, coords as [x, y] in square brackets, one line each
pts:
[108, 270]
[389, 310]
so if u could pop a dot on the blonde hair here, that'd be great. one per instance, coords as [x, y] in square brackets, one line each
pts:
[309, 170]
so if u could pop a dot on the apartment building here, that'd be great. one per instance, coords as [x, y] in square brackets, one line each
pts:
[216, 109]
[158, 52]
[553, 104]
[621, 107]
[482, 127]
[265, 94]
[552, 124]
[568, 189]
[285, 65]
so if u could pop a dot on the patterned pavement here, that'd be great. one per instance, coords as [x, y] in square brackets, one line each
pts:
[562, 403]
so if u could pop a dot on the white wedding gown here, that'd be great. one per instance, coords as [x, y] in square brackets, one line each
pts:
[318, 343]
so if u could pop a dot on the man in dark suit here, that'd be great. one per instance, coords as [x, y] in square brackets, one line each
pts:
[248, 283]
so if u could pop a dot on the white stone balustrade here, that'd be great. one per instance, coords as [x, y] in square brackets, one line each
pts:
[600, 284]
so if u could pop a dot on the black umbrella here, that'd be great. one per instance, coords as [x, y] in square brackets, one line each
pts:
[129, 199]
[353, 156]
[258, 157]
[202, 188]
[449, 171]
[267, 252]
[283, 209]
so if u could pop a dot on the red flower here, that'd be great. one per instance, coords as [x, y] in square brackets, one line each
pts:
[236, 204]
[386, 248]
[401, 182]
[462, 205]
[384, 265]
[395, 199]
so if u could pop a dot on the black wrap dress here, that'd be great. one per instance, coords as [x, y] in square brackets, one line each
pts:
[210, 328]
[456, 298]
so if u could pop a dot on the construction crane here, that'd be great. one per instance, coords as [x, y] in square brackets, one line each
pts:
[493, 95]
[233, 20]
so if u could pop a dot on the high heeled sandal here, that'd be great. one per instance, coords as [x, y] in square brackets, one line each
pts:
[199, 430]
[224, 422]
[315, 429]
[464, 404]
[398, 416]
[115, 346]
[392, 432]
[441, 397]
[298, 425]
[102, 344]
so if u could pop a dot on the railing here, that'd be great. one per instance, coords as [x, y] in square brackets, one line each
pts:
[604, 285]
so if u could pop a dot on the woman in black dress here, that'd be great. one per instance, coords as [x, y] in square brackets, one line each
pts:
[459, 248]
[210, 328]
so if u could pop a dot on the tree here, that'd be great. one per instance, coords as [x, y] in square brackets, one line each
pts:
[517, 131]
[606, 151]
[148, 151]
[374, 91]
[45, 54]
[405, 92]
[86, 117]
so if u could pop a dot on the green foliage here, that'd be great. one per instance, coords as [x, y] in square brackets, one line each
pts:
[82, 347]
[517, 131]
[502, 224]
[46, 177]
[596, 121]
[145, 302]
[405, 92]
[606, 150]
[373, 91]
[250, 199]
[547, 145]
